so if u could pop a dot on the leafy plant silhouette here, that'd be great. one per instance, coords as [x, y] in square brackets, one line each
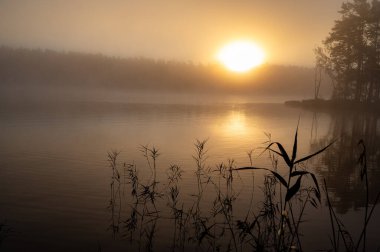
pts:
[292, 183]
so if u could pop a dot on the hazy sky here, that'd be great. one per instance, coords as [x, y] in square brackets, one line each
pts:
[288, 30]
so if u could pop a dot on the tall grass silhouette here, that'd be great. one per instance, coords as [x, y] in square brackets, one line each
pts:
[5, 231]
[341, 237]
[288, 225]
[206, 220]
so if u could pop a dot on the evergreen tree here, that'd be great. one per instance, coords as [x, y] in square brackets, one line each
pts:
[351, 52]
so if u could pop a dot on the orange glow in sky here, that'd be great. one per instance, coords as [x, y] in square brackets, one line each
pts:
[186, 30]
[241, 56]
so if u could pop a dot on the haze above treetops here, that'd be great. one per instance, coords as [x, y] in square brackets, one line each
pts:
[188, 30]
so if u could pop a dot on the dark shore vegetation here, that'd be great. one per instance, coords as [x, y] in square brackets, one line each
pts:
[5, 231]
[336, 105]
[350, 57]
[350, 54]
[208, 221]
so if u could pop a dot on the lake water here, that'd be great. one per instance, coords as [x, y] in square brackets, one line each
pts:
[55, 178]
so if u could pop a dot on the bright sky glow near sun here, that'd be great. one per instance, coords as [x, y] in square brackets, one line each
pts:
[186, 30]
[241, 56]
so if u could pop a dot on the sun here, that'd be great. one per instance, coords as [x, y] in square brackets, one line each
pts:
[241, 56]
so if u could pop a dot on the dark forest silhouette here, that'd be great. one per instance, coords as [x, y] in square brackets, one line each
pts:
[351, 53]
[22, 69]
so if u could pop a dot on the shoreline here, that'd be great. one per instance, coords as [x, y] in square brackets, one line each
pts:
[334, 105]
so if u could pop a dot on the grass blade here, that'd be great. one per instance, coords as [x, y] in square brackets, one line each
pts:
[318, 192]
[278, 176]
[294, 154]
[283, 153]
[297, 173]
[314, 154]
[294, 189]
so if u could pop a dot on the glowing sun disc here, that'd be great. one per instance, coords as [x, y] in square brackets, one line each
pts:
[241, 56]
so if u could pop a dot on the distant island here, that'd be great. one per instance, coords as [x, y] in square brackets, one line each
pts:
[334, 105]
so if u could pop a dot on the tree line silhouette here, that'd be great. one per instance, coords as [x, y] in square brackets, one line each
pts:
[36, 68]
[351, 53]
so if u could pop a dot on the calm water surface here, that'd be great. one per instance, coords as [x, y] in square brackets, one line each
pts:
[55, 179]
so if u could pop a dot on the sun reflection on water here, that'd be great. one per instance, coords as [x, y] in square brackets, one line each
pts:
[234, 124]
